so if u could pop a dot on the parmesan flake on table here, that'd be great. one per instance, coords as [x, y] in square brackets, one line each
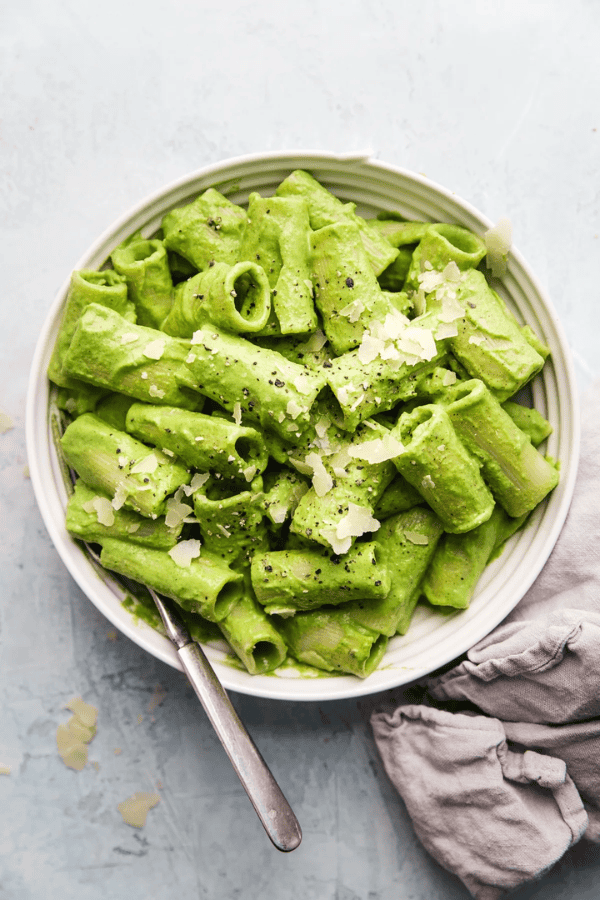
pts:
[184, 552]
[73, 736]
[135, 809]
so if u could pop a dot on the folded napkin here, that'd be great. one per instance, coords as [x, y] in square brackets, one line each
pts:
[498, 790]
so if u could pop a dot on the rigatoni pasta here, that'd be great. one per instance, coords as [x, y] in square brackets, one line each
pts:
[298, 423]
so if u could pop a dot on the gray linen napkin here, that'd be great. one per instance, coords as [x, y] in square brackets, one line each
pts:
[499, 793]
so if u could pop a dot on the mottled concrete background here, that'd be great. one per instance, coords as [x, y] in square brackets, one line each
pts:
[101, 104]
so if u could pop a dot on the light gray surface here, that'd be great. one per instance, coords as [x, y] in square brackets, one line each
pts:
[101, 105]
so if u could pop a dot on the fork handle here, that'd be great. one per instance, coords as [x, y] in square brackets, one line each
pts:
[266, 796]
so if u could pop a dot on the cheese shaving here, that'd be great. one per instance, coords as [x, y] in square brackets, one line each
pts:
[155, 349]
[498, 242]
[129, 338]
[176, 510]
[146, 466]
[378, 450]
[357, 521]
[322, 480]
[416, 537]
[237, 413]
[135, 809]
[184, 552]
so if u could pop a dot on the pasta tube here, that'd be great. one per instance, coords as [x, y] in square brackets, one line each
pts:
[325, 209]
[91, 517]
[329, 639]
[206, 443]
[459, 562]
[231, 519]
[106, 288]
[489, 342]
[209, 229]
[339, 506]
[206, 586]
[435, 462]
[122, 467]
[407, 542]
[252, 636]
[111, 352]
[235, 297]
[442, 244]
[288, 580]
[517, 474]
[347, 293]
[257, 382]
[279, 240]
[146, 267]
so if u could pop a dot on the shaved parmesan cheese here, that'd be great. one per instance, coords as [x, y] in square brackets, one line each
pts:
[303, 384]
[146, 466]
[196, 483]
[378, 450]
[155, 391]
[315, 342]
[249, 473]
[446, 330]
[135, 809]
[129, 338]
[176, 510]
[73, 736]
[498, 242]
[184, 552]
[353, 311]
[428, 482]
[338, 545]
[237, 413]
[155, 349]
[357, 521]
[451, 308]
[416, 537]
[477, 339]
[120, 496]
[104, 511]
[191, 358]
[293, 409]
[369, 349]
[322, 480]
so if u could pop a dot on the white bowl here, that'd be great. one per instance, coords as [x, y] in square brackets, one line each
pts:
[433, 640]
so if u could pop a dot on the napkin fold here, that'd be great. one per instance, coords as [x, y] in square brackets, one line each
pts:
[500, 789]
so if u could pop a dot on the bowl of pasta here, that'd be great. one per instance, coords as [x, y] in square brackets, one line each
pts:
[319, 402]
